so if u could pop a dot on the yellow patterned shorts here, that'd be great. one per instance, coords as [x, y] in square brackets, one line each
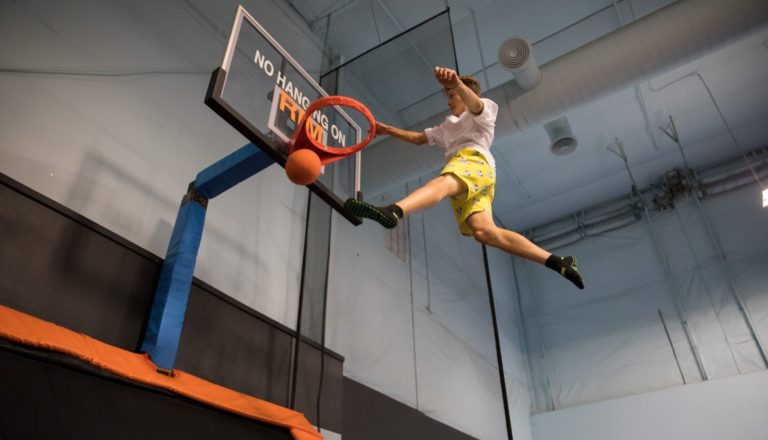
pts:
[471, 167]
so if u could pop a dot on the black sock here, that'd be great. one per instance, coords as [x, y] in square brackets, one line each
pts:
[554, 262]
[386, 216]
[567, 267]
[395, 210]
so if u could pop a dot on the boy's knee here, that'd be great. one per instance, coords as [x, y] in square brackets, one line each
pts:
[484, 234]
[441, 180]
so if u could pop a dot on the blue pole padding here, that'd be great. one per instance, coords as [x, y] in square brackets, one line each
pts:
[231, 170]
[166, 318]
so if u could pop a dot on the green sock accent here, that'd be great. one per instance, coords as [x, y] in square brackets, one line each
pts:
[395, 210]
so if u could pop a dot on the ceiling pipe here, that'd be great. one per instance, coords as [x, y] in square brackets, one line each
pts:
[670, 37]
[721, 178]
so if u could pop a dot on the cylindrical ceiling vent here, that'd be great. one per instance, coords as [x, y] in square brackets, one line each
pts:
[561, 138]
[516, 55]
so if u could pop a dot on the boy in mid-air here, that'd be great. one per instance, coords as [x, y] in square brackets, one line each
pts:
[468, 177]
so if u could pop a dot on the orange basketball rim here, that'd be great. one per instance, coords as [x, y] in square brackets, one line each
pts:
[302, 138]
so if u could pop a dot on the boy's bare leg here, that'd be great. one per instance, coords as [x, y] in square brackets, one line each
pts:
[425, 197]
[485, 231]
[429, 195]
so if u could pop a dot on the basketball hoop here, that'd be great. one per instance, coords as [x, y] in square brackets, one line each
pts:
[302, 138]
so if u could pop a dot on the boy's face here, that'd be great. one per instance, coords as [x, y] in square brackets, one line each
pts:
[455, 103]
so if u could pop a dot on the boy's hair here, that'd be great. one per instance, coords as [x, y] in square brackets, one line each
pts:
[471, 82]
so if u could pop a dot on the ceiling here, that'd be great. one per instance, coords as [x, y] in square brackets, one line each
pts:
[718, 98]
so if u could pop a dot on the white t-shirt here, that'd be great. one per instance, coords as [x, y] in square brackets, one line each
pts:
[467, 131]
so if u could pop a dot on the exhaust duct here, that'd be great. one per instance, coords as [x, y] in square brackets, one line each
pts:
[516, 55]
[561, 138]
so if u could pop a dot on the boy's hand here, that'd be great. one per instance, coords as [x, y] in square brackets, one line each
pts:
[448, 78]
[381, 128]
[414, 137]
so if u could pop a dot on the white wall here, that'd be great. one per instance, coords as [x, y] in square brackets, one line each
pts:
[729, 408]
[102, 110]
[610, 341]
[420, 330]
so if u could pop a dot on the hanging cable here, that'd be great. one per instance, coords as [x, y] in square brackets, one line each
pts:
[682, 313]
[413, 311]
[673, 134]
[698, 266]
[426, 264]
[497, 340]
[722, 117]
[672, 346]
[375, 23]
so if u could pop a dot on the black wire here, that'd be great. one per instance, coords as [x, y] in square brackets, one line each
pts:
[322, 321]
[498, 345]
[294, 378]
[385, 42]
[453, 40]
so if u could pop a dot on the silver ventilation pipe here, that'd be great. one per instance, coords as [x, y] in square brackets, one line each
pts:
[670, 37]
[516, 55]
[561, 138]
[676, 34]
[625, 210]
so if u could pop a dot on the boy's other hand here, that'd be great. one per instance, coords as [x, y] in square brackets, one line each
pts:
[448, 78]
[381, 128]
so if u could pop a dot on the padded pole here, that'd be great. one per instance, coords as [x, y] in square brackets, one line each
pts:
[166, 319]
[231, 170]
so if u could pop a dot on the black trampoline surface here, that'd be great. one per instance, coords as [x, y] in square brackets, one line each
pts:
[47, 395]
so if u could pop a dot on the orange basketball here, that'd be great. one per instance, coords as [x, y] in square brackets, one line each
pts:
[303, 166]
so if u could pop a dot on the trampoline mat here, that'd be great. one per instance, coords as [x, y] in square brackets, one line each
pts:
[49, 395]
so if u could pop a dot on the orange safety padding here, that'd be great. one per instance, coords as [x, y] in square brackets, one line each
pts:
[28, 330]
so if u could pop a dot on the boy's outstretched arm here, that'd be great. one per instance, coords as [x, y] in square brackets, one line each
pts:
[414, 137]
[449, 79]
